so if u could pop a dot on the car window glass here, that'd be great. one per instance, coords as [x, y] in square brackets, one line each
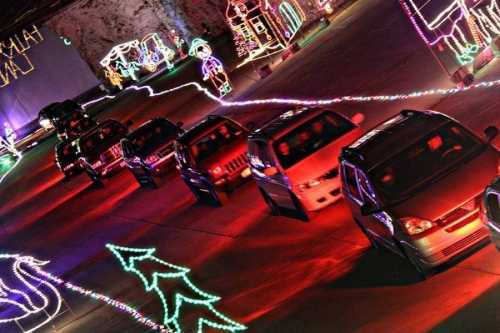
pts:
[260, 155]
[366, 190]
[221, 136]
[309, 137]
[423, 161]
[493, 206]
[350, 181]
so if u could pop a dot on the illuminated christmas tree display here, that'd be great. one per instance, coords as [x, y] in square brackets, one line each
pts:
[464, 26]
[174, 302]
[263, 27]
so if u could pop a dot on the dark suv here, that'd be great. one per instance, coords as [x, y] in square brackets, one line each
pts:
[212, 157]
[491, 214]
[415, 183]
[149, 150]
[99, 149]
[67, 158]
[67, 118]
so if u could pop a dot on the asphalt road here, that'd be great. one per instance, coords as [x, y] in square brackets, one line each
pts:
[274, 274]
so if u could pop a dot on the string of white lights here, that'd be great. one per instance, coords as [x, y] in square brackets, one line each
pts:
[306, 102]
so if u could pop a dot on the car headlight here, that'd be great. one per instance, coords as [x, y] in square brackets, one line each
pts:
[309, 184]
[415, 225]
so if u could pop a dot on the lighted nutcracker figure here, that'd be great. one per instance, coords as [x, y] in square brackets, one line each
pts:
[178, 42]
[211, 67]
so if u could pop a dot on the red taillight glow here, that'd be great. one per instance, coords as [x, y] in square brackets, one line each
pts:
[96, 165]
[152, 159]
[116, 150]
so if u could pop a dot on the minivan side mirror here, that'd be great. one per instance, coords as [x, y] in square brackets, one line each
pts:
[270, 171]
[358, 118]
[491, 132]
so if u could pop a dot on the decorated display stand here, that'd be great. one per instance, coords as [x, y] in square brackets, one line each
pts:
[122, 62]
[154, 52]
[263, 27]
[126, 61]
[467, 28]
[211, 67]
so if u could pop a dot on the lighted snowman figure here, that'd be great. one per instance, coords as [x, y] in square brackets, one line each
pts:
[211, 67]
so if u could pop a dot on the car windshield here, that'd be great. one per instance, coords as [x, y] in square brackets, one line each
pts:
[150, 137]
[423, 161]
[102, 138]
[224, 134]
[310, 137]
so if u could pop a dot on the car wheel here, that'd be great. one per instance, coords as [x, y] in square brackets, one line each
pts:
[275, 210]
[197, 193]
[299, 208]
[368, 235]
[423, 272]
[217, 198]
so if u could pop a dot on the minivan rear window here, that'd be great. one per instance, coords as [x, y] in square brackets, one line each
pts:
[310, 137]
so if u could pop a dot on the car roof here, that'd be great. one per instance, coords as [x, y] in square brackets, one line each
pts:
[99, 125]
[286, 121]
[148, 123]
[201, 127]
[392, 136]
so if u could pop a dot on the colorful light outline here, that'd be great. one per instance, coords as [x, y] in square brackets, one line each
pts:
[174, 272]
[480, 23]
[211, 67]
[36, 266]
[21, 275]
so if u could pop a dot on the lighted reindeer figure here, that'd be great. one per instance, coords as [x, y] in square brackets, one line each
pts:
[33, 296]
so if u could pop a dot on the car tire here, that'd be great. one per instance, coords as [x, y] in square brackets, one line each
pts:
[371, 239]
[217, 198]
[423, 272]
[299, 208]
[273, 206]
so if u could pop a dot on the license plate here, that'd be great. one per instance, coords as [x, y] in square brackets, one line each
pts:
[246, 173]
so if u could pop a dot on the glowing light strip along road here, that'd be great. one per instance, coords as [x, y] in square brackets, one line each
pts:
[135, 314]
[306, 102]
